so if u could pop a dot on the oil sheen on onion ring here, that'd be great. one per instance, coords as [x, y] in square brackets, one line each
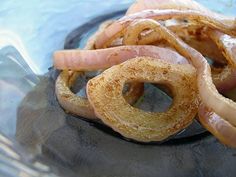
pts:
[220, 128]
[105, 95]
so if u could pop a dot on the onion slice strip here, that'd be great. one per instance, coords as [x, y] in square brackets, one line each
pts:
[227, 44]
[84, 60]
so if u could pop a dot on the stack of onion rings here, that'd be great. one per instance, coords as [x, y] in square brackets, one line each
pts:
[166, 37]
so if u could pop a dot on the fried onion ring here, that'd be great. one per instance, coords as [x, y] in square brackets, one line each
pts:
[105, 95]
[80, 106]
[222, 106]
[219, 127]
[117, 28]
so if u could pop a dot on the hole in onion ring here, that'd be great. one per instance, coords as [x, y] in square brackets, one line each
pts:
[156, 98]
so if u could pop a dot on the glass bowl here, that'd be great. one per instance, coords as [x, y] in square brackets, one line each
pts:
[37, 138]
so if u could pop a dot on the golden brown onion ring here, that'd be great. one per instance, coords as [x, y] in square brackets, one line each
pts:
[219, 127]
[117, 28]
[224, 107]
[80, 106]
[105, 95]
[84, 60]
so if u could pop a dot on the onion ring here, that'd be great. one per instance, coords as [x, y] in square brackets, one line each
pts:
[80, 106]
[67, 99]
[105, 95]
[84, 60]
[116, 29]
[219, 127]
[222, 106]
[211, 121]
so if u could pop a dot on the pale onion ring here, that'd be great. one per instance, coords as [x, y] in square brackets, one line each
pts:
[67, 99]
[219, 127]
[105, 95]
[84, 60]
[141, 5]
[116, 29]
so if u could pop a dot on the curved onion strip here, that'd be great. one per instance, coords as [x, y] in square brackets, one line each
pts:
[105, 95]
[116, 29]
[219, 127]
[80, 106]
[141, 5]
[193, 35]
[90, 44]
[224, 79]
[105, 58]
[227, 44]
[196, 37]
[224, 107]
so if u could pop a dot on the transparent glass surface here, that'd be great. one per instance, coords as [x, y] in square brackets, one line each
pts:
[37, 138]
